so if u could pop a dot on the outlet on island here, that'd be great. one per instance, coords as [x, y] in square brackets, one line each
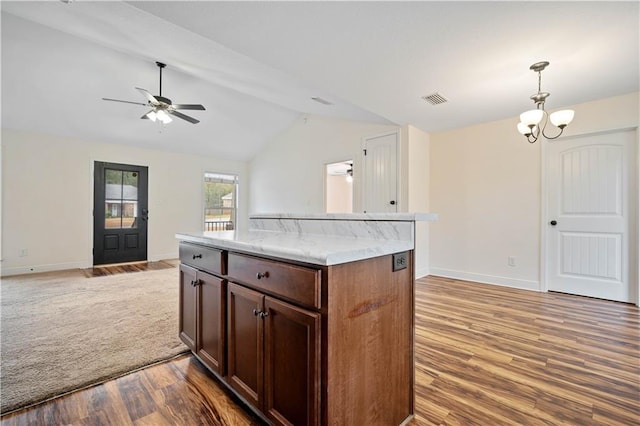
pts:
[399, 261]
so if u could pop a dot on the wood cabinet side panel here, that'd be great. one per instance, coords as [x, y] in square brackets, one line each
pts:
[369, 343]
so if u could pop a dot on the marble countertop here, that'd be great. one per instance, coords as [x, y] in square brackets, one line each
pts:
[312, 248]
[320, 239]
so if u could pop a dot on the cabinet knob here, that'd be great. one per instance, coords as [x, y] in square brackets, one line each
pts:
[195, 283]
[197, 256]
[261, 275]
[264, 314]
[256, 312]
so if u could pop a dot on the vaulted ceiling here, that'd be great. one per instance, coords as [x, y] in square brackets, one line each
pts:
[256, 65]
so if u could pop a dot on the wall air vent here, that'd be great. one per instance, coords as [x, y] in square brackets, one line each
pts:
[435, 99]
[321, 101]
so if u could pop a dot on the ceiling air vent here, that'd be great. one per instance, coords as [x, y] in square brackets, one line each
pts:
[322, 101]
[435, 99]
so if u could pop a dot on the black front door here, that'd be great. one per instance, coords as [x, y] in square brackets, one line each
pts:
[119, 213]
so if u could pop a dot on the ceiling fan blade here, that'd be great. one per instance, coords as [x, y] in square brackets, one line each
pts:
[126, 102]
[189, 106]
[184, 117]
[146, 115]
[148, 95]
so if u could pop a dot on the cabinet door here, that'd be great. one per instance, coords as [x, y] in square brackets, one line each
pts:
[292, 364]
[188, 316]
[212, 315]
[245, 339]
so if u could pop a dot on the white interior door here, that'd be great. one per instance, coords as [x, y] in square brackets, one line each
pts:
[381, 173]
[591, 234]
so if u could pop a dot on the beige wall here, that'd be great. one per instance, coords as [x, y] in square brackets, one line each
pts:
[485, 183]
[339, 194]
[415, 166]
[288, 176]
[48, 198]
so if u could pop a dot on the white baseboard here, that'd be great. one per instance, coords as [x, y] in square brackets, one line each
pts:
[487, 279]
[34, 269]
[165, 256]
[422, 272]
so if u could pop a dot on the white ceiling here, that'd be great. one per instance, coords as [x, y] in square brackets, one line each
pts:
[256, 65]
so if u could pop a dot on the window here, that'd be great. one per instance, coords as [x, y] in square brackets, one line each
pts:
[220, 201]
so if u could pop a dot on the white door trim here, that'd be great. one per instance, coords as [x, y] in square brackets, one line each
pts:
[634, 241]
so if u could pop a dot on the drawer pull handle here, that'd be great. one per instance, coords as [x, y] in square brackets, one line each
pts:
[264, 314]
[256, 312]
[261, 275]
[197, 256]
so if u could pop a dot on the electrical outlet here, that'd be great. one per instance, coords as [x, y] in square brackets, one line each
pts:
[24, 253]
[399, 261]
[512, 261]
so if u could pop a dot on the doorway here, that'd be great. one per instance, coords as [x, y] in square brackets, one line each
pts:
[338, 184]
[120, 213]
[591, 229]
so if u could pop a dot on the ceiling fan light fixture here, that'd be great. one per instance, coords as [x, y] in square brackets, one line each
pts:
[162, 107]
[163, 116]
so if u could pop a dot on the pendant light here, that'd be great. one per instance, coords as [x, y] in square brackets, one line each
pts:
[533, 123]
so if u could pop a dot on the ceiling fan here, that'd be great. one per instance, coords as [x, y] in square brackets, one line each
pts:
[162, 107]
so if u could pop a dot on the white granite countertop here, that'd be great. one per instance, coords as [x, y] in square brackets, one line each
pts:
[320, 239]
[310, 248]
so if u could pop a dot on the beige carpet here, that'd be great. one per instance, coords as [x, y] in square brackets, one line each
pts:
[62, 331]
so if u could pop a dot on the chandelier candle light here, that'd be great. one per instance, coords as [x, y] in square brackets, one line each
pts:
[530, 120]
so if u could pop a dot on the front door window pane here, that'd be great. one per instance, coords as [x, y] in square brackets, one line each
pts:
[121, 199]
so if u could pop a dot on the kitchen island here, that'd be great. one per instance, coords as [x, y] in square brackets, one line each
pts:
[307, 318]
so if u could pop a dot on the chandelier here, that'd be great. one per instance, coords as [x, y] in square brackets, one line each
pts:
[533, 123]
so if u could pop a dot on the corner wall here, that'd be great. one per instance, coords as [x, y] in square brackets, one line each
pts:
[47, 190]
[288, 175]
[485, 183]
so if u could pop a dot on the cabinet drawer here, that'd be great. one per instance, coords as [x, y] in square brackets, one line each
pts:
[201, 257]
[295, 283]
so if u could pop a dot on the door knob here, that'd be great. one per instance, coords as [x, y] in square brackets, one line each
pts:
[392, 202]
[553, 223]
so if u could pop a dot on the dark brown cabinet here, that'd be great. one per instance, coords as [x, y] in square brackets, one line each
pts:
[303, 344]
[274, 356]
[245, 343]
[291, 364]
[202, 325]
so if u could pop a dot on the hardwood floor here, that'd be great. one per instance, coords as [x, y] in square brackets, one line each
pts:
[121, 268]
[177, 392]
[485, 355]
[490, 355]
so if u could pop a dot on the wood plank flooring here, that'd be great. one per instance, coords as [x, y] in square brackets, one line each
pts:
[490, 355]
[485, 355]
[178, 392]
[121, 268]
